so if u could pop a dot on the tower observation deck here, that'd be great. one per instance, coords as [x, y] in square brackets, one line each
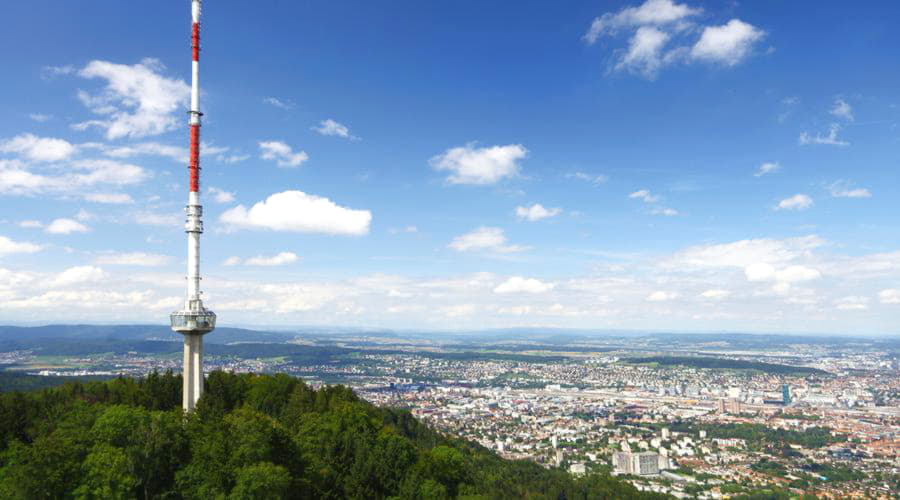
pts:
[194, 320]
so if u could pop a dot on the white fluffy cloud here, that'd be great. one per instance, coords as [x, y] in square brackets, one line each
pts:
[797, 202]
[8, 247]
[19, 178]
[797, 274]
[767, 168]
[715, 294]
[664, 33]
[137, 100]
[220, 195]
[889, 296]
[519, 284]
[66, 226]
[651, 12]
[39, 149]
[297, 211]
[842, 109]
[79, 275]
[333, 128]
[274, 260]
[484, 238]
[472, 165]
[536, 212]
[644, 54]
[743, 253]
[831, 139]
[662, 296]
[644, 195]
[137, 259]
[282, 154]
[728, 44]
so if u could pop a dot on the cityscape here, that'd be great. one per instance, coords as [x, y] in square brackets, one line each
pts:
[692, 416]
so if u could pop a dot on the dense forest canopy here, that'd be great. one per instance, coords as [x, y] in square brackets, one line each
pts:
[252, 436]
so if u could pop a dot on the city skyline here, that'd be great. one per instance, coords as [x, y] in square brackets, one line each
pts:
[637, 166]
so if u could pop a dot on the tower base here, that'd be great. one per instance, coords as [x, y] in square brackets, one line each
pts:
[192, 387]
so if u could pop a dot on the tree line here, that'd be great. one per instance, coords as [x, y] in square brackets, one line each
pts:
[251, 437]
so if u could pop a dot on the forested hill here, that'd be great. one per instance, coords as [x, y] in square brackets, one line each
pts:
[253, 437]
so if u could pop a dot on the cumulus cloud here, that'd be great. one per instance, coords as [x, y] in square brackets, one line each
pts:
[662, 296]
[66, 226]
[333, 128]
[841, 109]
[644, 195]
[744, 253]
[138, 101]
[715, 294]
[664, 33]
[484, 239]
[472, 165]
[760, 271]
[831, 139]
[137, 259]
[644, 55]
[282, 154]
[296, 211]
[220, 195]
[79, 275]
[536, 212]
[8, 247]
[889, 296]
[797, 274]
[519, 284]
[796, 202]
[651, 12]
[19, 178]
[728, 44]
[39, 149]
[767, 168]
[274, 260]
[31, 224]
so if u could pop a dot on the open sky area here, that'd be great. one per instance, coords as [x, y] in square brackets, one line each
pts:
[696, 166]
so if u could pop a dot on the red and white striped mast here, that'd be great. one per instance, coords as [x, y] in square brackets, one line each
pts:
[194, 320]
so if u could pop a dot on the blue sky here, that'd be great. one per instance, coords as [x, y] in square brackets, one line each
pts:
[611, 165]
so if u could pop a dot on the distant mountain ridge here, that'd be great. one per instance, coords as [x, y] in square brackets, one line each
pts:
[222, 335]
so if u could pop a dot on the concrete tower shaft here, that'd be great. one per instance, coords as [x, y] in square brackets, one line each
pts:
[193, 321]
